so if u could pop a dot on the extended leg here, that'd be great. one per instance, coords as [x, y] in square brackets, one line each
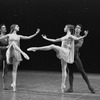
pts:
[23, 53]
[40, 48]
[52, 46]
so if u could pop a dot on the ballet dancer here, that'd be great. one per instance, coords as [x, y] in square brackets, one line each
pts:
[3, 44]
[78, 62]
[13, 53]
[65, 52]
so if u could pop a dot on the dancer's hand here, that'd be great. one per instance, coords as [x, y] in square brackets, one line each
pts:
[38, 30]
[44, 36]
[86, 33]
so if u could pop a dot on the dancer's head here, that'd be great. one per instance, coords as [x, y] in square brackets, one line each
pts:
[3, 28]
[14, 27]
[78, 29]
[69, 28]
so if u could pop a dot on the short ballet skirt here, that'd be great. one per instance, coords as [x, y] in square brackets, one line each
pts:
[14, 55]
[66, 54]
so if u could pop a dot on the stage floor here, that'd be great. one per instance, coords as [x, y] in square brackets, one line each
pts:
[32, 85]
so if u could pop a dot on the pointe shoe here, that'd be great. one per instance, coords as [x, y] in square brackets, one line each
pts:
[69, 90]
[26, 56]
[62, 88]
[32, 49]
[92, 90]
[13, 86]
[29, 49]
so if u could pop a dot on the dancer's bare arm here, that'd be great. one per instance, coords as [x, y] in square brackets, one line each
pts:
[77, 38]
[3, 37]
[80, 43]
[52, 40]
[31, 36]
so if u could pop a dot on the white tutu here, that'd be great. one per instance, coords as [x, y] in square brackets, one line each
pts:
[13, 54]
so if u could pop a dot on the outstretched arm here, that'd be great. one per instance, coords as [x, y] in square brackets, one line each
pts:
[31, 36]
[77, 38]
[3, 37]
[52, 40]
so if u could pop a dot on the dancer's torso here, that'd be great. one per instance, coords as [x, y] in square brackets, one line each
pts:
[67, 43]
[3, 44]
[14, 38]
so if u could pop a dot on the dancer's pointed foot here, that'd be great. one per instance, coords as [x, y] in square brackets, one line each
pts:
[13, 86]
[69, 90]
[26, 56]
[62, 88]
[32, 49]
[92, 90]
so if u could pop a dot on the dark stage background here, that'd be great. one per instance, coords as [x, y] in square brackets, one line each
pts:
[51, 16]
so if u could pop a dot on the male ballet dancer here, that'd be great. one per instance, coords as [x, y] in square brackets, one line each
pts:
[3, 44]
[78, 62]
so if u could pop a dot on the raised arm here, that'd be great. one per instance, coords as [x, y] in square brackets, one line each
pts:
[31, 36]
[77, 38]
[52, 40]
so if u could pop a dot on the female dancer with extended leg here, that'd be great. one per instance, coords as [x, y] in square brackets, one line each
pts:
[65, 51]
[14, 52]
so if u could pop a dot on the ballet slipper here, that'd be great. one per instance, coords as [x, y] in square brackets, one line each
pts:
[63, 87]
[32, 49]
[13, 85]
[68, 90]
[26, 56]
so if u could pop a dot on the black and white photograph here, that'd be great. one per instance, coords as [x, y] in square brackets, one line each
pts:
[49, 50]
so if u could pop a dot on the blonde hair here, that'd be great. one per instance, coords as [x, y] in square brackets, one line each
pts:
[12, 27]
[70, 27]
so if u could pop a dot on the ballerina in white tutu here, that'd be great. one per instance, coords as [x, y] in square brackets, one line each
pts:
[65, 52]
[14, 52]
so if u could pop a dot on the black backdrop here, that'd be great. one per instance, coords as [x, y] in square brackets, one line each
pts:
[51, 16]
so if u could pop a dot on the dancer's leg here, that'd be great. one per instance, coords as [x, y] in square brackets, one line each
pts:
[23, 53]
[40, 48]
[83, 73]
[7, 55]
[49, 47]
[14, 75]
[71, 79]
[64, 74]
[4, 74]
